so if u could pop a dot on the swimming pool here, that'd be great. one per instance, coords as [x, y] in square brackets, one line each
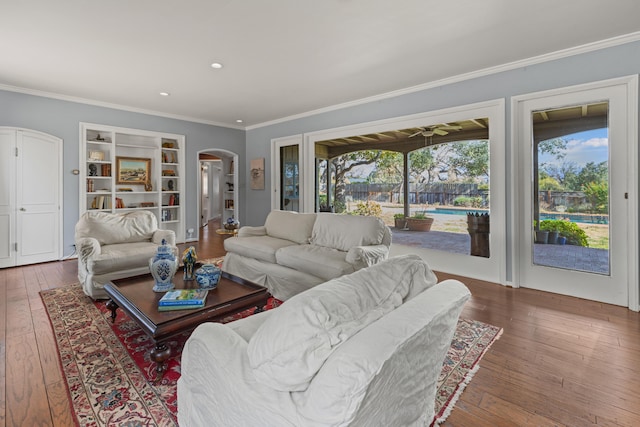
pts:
[449, 211]
[573, 217]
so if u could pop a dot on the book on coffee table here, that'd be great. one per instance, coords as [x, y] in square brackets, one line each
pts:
[179, 307]
[191, 298]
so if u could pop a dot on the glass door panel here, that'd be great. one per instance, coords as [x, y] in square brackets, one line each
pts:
[289, 178]
[571, 187]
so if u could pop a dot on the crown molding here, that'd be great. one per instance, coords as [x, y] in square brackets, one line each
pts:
[564, 53]
[93, 102]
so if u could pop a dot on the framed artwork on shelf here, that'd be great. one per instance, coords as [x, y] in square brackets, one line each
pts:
[96, 155]
[133, 170]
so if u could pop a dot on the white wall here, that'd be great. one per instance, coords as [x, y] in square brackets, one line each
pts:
[580, 68]
[61, 118]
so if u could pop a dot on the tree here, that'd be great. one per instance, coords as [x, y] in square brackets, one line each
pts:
[388, 168]
[554, 147]
[470, 159]
[548, 183]
[343, 165]
[564, 173]
[592, 173]
[597, 194]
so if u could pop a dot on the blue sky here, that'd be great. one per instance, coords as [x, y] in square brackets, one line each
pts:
[584, 147]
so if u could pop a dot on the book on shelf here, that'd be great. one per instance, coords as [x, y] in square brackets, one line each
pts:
[101, 202]
[184, 297]
[105, 170]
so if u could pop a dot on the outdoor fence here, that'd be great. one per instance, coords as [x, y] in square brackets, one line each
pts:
[432, 194]
[446, 194]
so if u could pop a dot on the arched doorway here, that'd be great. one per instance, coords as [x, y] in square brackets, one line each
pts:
[217, 186]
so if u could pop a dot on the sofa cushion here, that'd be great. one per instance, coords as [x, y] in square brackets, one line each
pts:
[319, 261]
[110, 228]
[258, 247]
[290, 225]
[122, 256]
[346, 231]
[291, 345]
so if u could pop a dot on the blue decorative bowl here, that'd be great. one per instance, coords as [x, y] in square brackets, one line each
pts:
[208, 276]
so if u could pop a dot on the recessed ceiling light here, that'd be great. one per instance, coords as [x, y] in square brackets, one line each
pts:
[216, 65]
[165, 93]
[239, 121]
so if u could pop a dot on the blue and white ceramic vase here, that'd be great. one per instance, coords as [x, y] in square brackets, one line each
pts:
[208, 276]
[163, 267]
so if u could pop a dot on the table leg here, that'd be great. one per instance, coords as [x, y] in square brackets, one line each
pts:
[159, 354]
[113, 307]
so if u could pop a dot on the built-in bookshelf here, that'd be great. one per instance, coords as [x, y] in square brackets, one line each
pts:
[124, 170]
[229, 193]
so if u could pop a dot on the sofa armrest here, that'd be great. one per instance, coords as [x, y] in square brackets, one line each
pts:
[167, 235]
[366, 256]
[247, 231]
[87, 247]
[217, 387]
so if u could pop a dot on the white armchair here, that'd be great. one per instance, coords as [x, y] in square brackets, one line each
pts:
[114, 246]
[361, 350]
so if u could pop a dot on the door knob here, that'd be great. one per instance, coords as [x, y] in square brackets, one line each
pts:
[23, 209]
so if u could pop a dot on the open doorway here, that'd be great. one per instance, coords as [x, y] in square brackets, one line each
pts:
[217, 201]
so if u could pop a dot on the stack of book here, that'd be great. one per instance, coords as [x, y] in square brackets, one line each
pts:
[183, 299]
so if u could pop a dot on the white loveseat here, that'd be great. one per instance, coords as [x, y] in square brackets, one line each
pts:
[113, 246]
[294, 251]
[364, 349]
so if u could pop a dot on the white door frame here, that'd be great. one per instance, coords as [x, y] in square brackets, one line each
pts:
[491, 269]
[276, 145]
[518, 229]
[224, 154]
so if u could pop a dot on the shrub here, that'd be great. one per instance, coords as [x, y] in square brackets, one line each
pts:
[574, 234]
[419, 215]
[398, 216]
[368, 208]
[468, 202]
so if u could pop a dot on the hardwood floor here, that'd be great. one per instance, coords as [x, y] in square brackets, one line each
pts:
[561, 361]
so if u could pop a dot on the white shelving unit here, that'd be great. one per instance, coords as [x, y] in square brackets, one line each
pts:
[229, 192]
[151, 166]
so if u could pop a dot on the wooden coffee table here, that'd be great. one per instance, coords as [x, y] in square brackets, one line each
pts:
[135, 297]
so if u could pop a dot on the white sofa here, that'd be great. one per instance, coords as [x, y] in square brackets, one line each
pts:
[364, 349]
[113, 246]
[294, 251]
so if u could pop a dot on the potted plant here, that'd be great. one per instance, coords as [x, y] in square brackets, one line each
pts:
[572, 233]
[399, 221]
[419, 222]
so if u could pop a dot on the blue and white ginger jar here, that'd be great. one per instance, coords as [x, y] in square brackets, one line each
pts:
[208, 276]
[163, 267]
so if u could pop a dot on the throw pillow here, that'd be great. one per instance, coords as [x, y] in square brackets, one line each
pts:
[288, 225]
[343, 232]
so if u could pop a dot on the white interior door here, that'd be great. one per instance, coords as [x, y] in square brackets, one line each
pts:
[7, 197]
[30, 197]
[568, 269]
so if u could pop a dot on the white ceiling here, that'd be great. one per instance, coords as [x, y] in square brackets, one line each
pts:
[281, 57]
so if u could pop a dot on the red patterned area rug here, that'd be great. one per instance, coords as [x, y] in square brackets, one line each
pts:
[110, 377]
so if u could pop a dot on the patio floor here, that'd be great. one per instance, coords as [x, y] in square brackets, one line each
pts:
[561, 256]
